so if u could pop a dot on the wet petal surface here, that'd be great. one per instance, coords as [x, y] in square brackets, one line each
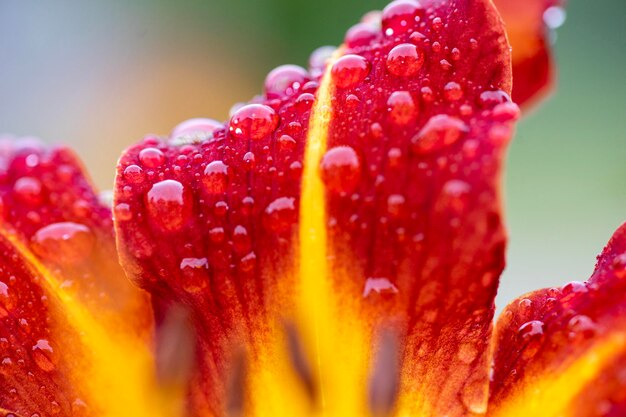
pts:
[356, 199]
[562, 351]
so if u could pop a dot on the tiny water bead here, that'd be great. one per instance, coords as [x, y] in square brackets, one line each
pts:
[341, 169]
[195, 272]
[439, 132]
[254, 121]
[401, 108]
[64, 242]
[169, 205]
[197, 126]
[581, 327]
[532, 336]
[350, 70]
[453, 91]
[134, 174]
[151, 157]
[405, 60]
[215, 178]
[400, 15]
[285, 80]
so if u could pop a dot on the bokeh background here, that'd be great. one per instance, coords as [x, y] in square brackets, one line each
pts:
[98, 75]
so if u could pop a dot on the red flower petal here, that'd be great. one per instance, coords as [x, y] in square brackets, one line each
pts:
[562, 351]
[370, 201]
[68, 328]
[528, 26]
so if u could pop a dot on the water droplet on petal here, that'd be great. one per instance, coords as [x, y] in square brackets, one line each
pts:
[195, 272]
[439, 132]
[169, 205]
[350, 70]
[319, 59]
[122, 212]
[64, 242]
[581, 328]
[400, 16]
[28, 190]
[151, 157]
[381, 286]
[254, 121]
[401, 108]
[134, 174]
[44, 356]
[532, 336]
[360, 34]
[285, 80]
[280, 214]
[194, 131]
[405, 60]
[215, 178]
[341, 169]
[453, 91]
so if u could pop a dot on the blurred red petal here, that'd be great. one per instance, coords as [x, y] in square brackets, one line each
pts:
[562, 351]
[369, 202]
[62, 289]
[529, 25]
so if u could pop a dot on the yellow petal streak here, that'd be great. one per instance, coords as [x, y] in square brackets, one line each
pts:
[551, 394]
[335, 341]
[339, 345]
[115, 370]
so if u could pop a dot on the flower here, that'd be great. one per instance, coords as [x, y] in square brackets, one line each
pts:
[334, 249]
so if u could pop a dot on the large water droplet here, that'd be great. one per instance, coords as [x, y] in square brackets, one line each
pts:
[532, 336]
[44, 355]
[350, 70]
[215, 179]
[64, 242]
[254, 121]
[285, 80]
[341, 169]
[280, 214]
[151, 157]
[28, 190]
[401, 108]
[405, 60]
[360, 34]
[399, 16]
[195, 272]
[439, 132]
[169, 205]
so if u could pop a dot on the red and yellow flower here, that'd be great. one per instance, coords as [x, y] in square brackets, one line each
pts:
[334, 249]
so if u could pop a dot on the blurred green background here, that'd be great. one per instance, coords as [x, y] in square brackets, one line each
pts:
[100, 74]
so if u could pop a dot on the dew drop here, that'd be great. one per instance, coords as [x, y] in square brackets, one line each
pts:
[380, 286]
[169, 205]
[215, 178]
[360, 34]
[404, 60]
[532, 336]
[439, 132]
[319, 59]
[64, 242]
[151, 157]
[44, 356]
[285, 80]
[350, 70]
[574, 287]
[453, 91]
[195, 272]
[134, 174]
[490, 99]
[395, 205]
[280, 214]
[401, 108]
[122, 212]
[254, 121]
[581, 328]
[341, 169]
[28, 190]
[399, 16]
[194, 131]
